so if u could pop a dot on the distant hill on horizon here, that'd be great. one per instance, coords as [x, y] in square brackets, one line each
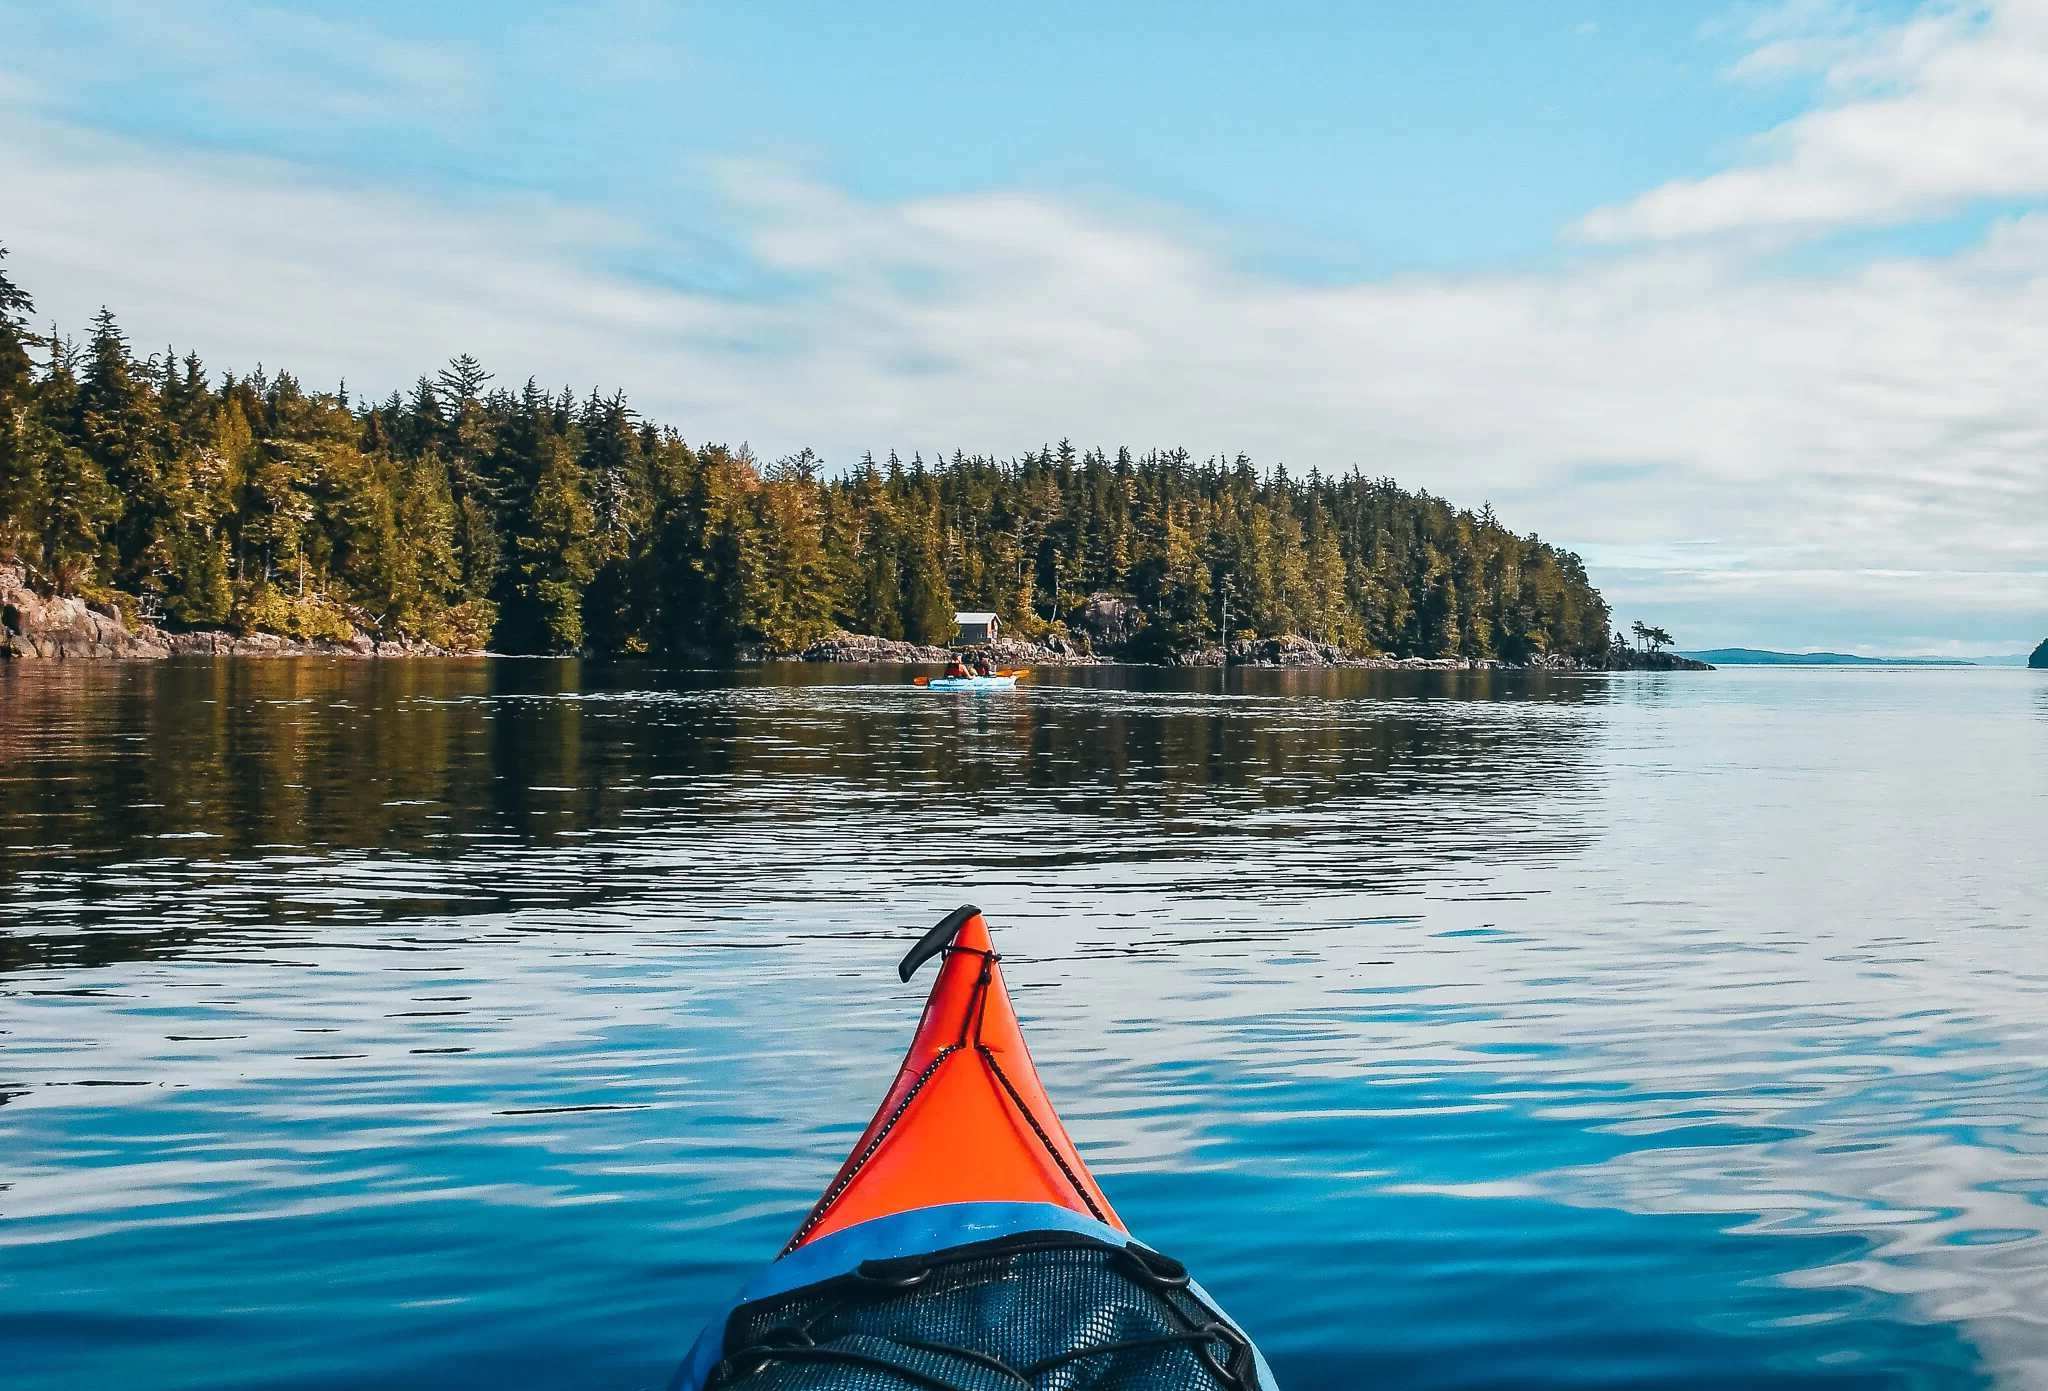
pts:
[1759, 657]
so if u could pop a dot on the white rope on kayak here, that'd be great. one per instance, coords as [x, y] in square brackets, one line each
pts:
[845, 1180]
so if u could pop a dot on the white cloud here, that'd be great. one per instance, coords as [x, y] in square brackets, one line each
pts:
[1920, 119]
[1805, 429]
[283, 68]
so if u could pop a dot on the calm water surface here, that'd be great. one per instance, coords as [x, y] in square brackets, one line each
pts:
[471, 1025]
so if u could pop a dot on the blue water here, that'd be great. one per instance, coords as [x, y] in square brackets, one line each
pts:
[479, 1025]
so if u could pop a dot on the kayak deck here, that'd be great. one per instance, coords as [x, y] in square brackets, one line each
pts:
[1035, 1309]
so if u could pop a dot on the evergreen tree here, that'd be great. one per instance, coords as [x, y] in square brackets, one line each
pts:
[1176, 589]
[927, 603]
[796, 600]
[118, 426]
[876, 600]
[553, 557]
[616, 469]
[20, 448]
[704, 558]
[428, 573]
[74, 506]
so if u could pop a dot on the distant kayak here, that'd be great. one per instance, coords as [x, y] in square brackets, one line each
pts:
[1001, 681]
[963, 1245]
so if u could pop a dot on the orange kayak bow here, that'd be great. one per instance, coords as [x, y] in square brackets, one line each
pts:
[967, 1119]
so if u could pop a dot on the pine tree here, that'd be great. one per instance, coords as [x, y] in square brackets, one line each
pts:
[74, 506]
[552, 561]
[276, 510]
[20, 423]
[797, 593]
[1328, 616]
[118, 427]
[428, 574]
[876, 601]
[704, 560]
[617, 472]
[1180, 588]
[927, 604]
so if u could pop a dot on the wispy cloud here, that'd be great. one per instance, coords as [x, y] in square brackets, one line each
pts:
[1920, 119]
[284, 66]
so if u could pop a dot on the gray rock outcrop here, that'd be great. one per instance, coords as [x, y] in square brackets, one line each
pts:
[1110, 621]
[57, 627]
[64, 625]
[859, 647]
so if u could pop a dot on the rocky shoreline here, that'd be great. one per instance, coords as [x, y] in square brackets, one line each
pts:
[1295, 652]
[1300, 652]
[858, 647]
[1304, 653]
[64, 627]
[69, 628]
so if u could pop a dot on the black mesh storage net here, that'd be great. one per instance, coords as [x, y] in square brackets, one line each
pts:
[1051, 1311]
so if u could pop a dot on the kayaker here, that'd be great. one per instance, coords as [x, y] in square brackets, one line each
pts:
[983, 666]
[956, 669]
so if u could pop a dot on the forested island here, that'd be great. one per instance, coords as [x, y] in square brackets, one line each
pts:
[469, 515]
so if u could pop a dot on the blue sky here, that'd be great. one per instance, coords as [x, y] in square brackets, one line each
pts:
[1329, 138]
[1733, 299]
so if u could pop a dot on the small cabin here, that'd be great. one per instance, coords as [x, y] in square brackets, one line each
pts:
[975, 627]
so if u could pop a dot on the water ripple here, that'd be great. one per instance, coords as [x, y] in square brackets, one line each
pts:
[470, 1023]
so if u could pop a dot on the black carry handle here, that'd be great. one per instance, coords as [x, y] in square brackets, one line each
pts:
[936, 940]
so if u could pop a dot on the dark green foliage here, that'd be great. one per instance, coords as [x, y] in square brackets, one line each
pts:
[464, 514]
[118, 425]
[552, 548]
[927, 600]
[19, 484]
[797, 593]
[59, 506]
